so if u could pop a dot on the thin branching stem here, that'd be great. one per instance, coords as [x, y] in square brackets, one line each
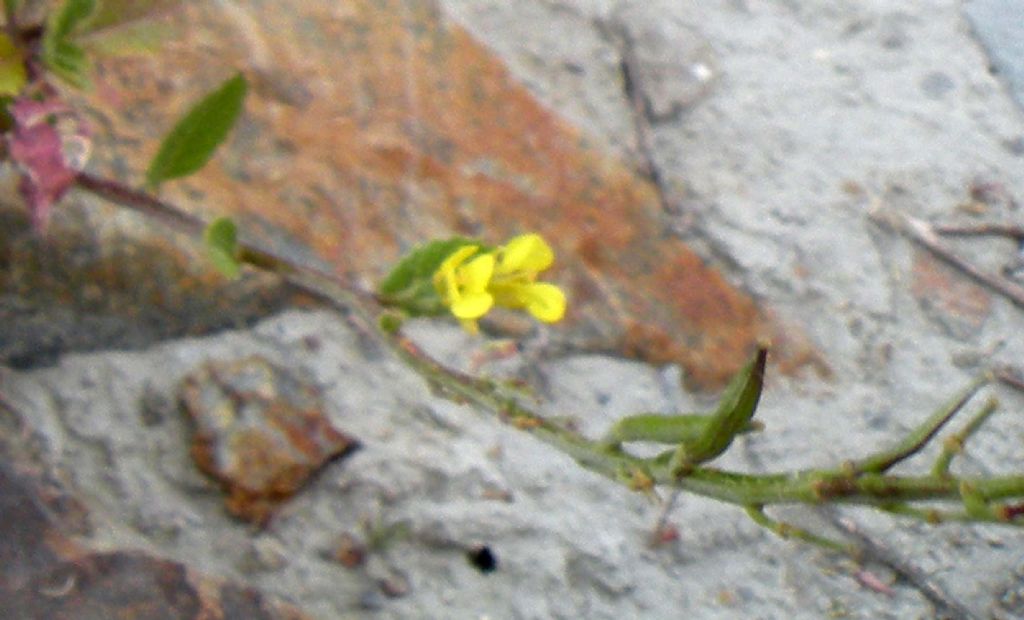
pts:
[920, 436]
[864, 481]
[788, 530]
[954, 444]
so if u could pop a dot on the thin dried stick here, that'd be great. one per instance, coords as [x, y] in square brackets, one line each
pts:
[872, 550]
[1011, 377]
[925, 235]
[976, 230]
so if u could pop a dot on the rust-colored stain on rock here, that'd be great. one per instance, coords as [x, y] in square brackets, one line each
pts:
[260, 431]
[376, 125]
[949, 297]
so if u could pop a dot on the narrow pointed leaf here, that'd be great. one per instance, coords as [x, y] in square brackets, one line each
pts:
[142, 37]
[112, 14]
[69, 61]
[60, 54]
[734, 414]
[194, 139]
[221, 237]
[71, 15]
[662, 428]
[122, 27]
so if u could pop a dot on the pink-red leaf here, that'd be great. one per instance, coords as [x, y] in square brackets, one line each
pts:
[40, 144]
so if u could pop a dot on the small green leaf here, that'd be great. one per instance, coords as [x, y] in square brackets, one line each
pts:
[112, 14]
[734, 414]
[662, 428]
[12, 68]
[196, 136]
[143, 37]
[64, 21]
[61, 55]
[122, 27]
[221, 237]
[69, 61]
[410, 285]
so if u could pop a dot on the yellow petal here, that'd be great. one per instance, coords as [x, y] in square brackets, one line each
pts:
[472, 305]
[445, 280]
[457, 257]
[529, 253]
[476, 275]
[545, 301]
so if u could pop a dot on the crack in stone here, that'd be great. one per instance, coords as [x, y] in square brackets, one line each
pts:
[947, 607]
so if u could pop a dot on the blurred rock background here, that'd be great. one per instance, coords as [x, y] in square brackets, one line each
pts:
[705, 171]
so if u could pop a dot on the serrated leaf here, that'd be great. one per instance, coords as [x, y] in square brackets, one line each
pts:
[410, 284]
[12, 68]
[221, 237]
[194, 139]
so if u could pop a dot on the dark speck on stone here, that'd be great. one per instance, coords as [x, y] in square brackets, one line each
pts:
[483, 559]
[936, 85]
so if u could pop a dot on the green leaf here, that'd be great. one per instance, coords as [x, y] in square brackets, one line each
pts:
[12, 68]
[196, 136]
[64, 21]
[128, 26]
[662, 428]
[410, 285]
[69, 61]
[117, 13]
[60, 54]
[137, 38]
[221, 237]
[733, 415]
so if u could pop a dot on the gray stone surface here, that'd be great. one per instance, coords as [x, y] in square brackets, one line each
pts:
[812, 114]
[568, 542]
[999, 26]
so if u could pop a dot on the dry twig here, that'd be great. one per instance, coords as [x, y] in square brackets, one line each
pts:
[925, 235]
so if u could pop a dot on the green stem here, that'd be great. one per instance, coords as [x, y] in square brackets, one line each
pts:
[862, 482]
[788, 530]
[954, 444]
[913, 442]
[840, 485]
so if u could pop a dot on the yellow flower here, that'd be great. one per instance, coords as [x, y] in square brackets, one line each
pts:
[471, 282]
[463, 285]
[514, 285]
